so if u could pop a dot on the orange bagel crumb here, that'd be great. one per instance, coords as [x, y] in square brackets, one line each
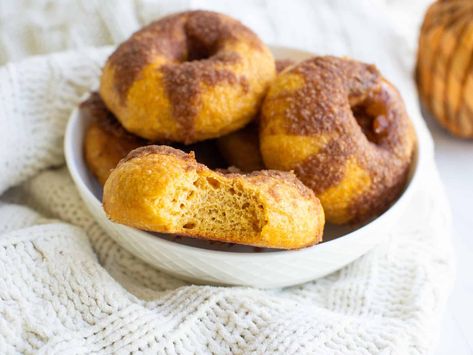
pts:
[162, 189]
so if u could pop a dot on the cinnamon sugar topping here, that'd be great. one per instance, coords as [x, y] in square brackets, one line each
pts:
[193, 44]
[365, 117]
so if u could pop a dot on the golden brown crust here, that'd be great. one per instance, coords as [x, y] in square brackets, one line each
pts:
[288, 176]
[162, 189]
[190, 36]
[282, 64]
[331, 85]
[358, 125]
[134, 54]
[106, 141]
[162, 150]
[189, 158]
[94, 108]
[185, 82]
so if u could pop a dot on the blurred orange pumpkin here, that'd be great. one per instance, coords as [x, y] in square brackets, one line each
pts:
[445, 64]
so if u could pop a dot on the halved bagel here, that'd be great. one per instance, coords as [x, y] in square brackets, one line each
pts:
[162, 189]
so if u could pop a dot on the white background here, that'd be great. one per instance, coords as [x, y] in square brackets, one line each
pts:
[454, 159]
[455, 162]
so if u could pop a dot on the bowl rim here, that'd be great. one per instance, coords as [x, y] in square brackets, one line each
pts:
[418, 162]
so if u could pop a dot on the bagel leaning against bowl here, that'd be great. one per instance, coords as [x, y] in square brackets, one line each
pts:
[344, 131]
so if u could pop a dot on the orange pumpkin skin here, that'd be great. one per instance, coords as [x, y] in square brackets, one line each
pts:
[444, 72]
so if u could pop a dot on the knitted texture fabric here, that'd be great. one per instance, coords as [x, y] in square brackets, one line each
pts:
[66, 287]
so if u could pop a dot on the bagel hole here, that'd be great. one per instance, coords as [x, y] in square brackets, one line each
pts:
[372, 121]
[196, 50]
[202, 37]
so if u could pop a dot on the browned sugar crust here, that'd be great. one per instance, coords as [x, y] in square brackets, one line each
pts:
[335, 89]
[282, 64]
[159, 149]
[206, 151]
[183, 85]
[189, 158]
[95, 108]
[288, 176]
[331, 83]
[194, 42]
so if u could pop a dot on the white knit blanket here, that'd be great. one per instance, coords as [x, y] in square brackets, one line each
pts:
[66, 287]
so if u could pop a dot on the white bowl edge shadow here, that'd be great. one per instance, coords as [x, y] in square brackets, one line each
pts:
[200, 262]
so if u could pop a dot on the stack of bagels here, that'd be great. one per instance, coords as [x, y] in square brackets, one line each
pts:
[197, 131]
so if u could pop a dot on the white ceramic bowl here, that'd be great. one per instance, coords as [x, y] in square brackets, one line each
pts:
[215, 263]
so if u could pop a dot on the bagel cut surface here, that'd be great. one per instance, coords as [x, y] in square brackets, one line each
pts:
[162, 189]
[343, 130]
[187, 77]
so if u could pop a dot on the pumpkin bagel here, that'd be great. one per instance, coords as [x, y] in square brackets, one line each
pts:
[105, 141]
[344, 131]
[162, 189]
[187, 77]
